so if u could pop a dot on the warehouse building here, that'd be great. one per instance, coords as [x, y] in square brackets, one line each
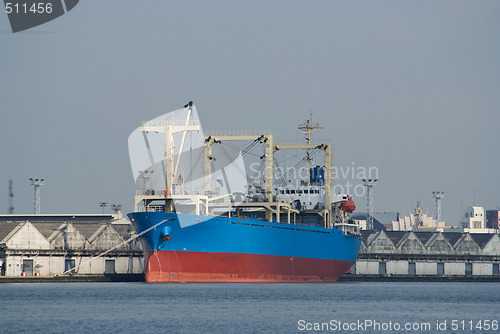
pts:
[428, 254]
[48, 245]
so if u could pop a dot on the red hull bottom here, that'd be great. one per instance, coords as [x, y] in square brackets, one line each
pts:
[177, 266]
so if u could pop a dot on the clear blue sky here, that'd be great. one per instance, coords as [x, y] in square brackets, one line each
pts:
[409, 87]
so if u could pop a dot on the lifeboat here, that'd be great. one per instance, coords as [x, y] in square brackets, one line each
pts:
[348, 206]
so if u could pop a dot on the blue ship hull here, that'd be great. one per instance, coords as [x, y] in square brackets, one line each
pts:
[192, 248]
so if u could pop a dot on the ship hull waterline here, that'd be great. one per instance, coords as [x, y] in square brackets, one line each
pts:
[198, 267]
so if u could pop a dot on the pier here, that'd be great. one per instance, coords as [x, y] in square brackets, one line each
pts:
[38, 248]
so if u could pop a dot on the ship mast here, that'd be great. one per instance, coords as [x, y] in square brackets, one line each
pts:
[309, 127]
[171, 127]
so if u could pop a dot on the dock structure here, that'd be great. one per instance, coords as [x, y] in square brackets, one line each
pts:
[49, 245]
[428, 254]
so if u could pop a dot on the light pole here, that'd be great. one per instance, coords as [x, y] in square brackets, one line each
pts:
[116, 208]
[103, 205]
[438, 195]
[369, 184]
[36, 183]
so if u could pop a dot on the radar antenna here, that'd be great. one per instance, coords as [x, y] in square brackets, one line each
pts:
[309, 127]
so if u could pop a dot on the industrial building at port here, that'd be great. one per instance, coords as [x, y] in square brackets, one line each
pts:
[387, 253]
[49, 245]
[424, 246]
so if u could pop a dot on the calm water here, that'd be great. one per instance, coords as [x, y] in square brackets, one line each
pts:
[237, 308]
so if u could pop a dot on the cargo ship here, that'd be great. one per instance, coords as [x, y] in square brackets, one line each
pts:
[209, 210]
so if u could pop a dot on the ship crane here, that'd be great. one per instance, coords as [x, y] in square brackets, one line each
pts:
[170, 128]
[271, 203]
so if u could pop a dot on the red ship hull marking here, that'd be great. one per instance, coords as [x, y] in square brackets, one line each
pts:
[181, 266]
